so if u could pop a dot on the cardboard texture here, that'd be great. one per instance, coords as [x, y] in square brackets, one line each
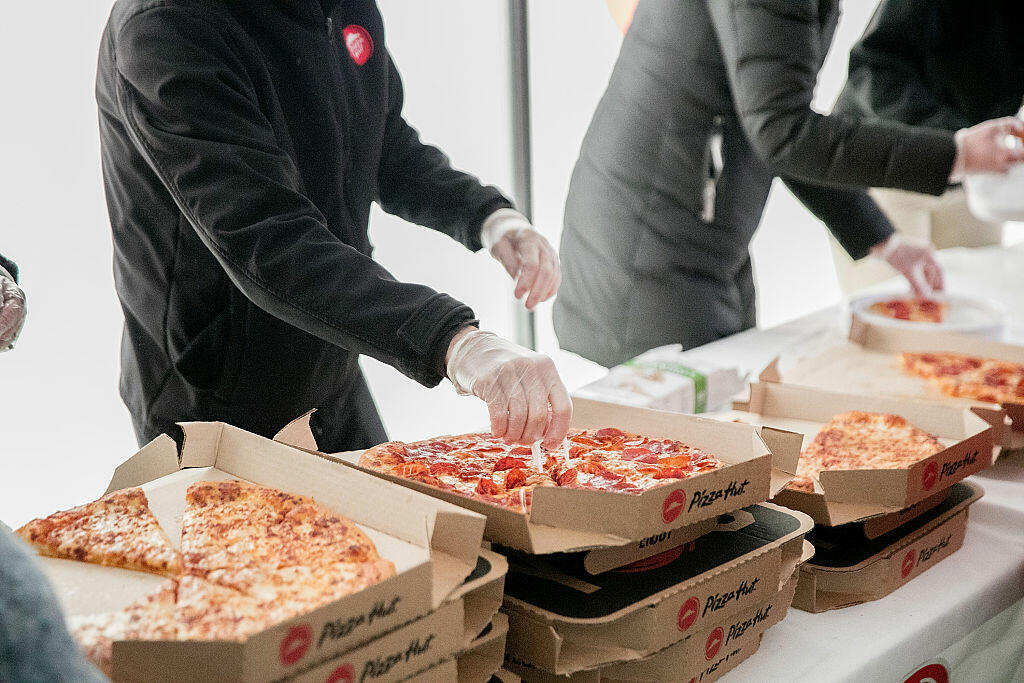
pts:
[434, 547]
[849, 571]
[482, 593]
[567, 519]
[845, 496]
[869, 364]
[564, 620]
[485, 655]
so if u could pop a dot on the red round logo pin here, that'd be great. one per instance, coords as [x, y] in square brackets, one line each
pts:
[929, 673]
[343, 674]
[673, 505]
[714, 643]
[295, 644]
[358, 43]
[931, 475]
[688, 614]
[908, 563]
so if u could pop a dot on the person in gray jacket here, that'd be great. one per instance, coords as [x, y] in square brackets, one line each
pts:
[709, 101]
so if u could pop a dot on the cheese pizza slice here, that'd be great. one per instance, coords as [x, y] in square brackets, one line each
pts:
[118, 530]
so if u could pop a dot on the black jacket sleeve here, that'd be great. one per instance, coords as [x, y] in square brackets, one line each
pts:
[10, 266]
[886, 73]
[851, 215]
[772, 54]
[417, 183]
[191, 110]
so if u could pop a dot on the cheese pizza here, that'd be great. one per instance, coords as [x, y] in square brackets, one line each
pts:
[913, 310]
[858, 440]
[485, 468]
[982, 379]
[252, 556]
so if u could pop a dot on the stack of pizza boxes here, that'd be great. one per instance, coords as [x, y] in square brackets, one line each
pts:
[876, 529]
[439, 610]
[677, 582]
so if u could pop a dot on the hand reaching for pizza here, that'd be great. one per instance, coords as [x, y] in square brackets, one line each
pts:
[526, 255]
[915, 262]
[525, 397]
[12, 310]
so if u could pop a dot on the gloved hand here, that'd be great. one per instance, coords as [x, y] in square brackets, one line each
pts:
[526, 254]
[916, 262]
[12, 310]
[984, 148]
[523, 392]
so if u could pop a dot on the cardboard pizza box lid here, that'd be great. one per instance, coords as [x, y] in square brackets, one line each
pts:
[847, 572]
[845, 496]
[433, 545]
[567, 519]
[565, 620]
[482, 592]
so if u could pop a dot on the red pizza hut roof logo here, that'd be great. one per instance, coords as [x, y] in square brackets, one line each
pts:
[931, 475]
[673, 505]
[688, 614]
[929, 673]
[358, 43]
[908, 563]
[714, 643]
[295, 644]
[343, 674]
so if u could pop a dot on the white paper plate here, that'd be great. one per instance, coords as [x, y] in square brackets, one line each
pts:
[965, 315]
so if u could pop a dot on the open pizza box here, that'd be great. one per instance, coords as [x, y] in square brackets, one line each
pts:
[844, 496]
[847, 572]
[434, 546]
[563, 620]
[706, 655]
[565, 519]
[869, 364]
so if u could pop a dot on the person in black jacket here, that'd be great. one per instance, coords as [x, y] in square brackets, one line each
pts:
[242, 145]
[947, 64]
[708, 102]
[12, 304]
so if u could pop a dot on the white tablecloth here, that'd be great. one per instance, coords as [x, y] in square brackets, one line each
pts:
[888, 639]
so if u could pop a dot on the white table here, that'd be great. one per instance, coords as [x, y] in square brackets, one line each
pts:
[888, 639]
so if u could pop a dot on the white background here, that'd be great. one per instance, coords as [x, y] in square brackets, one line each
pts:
[63, 427]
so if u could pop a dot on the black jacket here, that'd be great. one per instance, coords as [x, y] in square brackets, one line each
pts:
[243, 143]
[948, 64]
[10, 266]
[655, 242]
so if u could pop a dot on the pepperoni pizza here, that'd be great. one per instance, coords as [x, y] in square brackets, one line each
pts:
[913, 310]
[982, 379]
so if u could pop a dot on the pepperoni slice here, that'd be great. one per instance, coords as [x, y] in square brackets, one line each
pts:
[521, 450]
[407, 469]
[507, 463]
[437, 447]
[609, 432]
[598, 470]
[515, 477]
[442, 468]
[487, 487]
[568, 477]
[676, 461]
[633, 452]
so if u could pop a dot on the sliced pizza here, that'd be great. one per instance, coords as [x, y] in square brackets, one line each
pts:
[912, 310]
[118, 530]
[982, 379]
[859, 440]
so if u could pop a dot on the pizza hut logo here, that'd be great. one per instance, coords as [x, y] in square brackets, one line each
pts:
[295, 644]
[673, 506]
[908, 563]
[929, 673]
[358, 43]
[688, 613]
[343, 674]
[714, 643]
[931, 475]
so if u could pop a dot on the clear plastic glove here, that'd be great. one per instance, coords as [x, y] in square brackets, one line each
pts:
[12, 310]
[914, 261]
[526, 255]
[988, 147]
[525, 397]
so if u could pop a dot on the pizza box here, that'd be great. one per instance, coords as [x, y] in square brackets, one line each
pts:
[568, 519]
[849, 572]
[485, 655]
[482, 593]
[563, 619]
[705, 655]
[843, 496]
[868, 363]
[435, 547]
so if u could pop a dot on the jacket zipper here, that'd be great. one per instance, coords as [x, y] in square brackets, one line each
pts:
[713, 164]
[330, 30]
